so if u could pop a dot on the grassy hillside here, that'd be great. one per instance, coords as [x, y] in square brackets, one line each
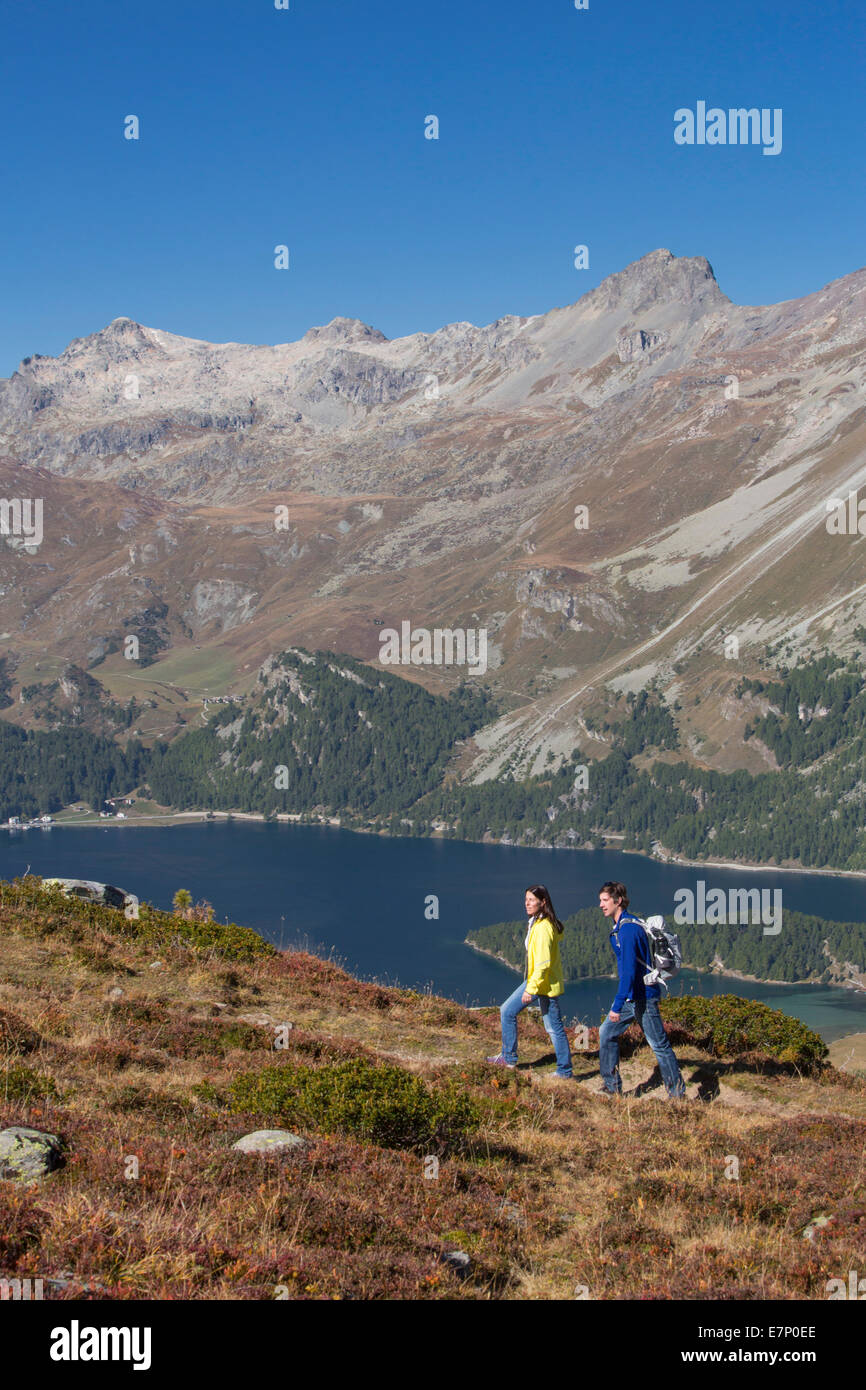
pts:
[155, 1040]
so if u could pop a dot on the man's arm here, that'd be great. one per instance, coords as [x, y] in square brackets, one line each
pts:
[627, 966]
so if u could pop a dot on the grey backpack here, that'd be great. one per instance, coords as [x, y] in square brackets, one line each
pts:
[665, 951]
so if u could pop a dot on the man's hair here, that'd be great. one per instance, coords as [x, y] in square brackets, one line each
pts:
[617, 891]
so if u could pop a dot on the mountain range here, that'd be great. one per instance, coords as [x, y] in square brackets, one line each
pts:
[628, 490]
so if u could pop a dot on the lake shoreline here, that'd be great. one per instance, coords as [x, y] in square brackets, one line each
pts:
[294, 818]
[698, 969]
[675, 861]
[172, 818]
[259, 876]
[494, 955]
[759, 979]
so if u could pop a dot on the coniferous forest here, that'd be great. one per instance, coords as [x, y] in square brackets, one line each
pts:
[797, 953]
[326, 734]
[41, 771]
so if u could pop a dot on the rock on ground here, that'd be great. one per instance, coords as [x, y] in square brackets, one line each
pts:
[267, 1140]
[27, 1154]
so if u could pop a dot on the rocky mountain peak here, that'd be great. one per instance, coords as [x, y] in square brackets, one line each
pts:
[343, 330]
[659, 277]
[121, 338]
[121, 331]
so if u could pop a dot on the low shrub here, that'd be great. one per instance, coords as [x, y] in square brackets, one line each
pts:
[726, 1025]
[18, 1082]
[96, 958]
[383, 1105]
[22, 1222]
[16, 1036]
[133, 1013]
[45, 911]
[211, 1038]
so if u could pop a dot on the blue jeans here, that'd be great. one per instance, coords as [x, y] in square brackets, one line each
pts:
[551, 1015]
[646, 1013]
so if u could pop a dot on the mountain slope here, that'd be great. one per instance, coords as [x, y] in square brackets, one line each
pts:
[435, 479]
[148, 1048]
[318, 733]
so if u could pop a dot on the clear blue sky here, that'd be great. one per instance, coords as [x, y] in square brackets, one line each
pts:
[306, 127]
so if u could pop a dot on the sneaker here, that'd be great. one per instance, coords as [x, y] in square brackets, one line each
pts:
[500, 1062]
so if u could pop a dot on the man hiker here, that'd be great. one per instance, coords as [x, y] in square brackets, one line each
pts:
[635, 1001]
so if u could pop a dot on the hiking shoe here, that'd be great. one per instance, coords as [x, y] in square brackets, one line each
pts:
[611, 1095]
[500, 1062]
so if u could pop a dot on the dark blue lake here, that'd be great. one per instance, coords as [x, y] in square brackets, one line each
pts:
[362, 897]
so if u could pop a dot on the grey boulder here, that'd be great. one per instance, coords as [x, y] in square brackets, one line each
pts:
[263, 1141]
[27, 1154]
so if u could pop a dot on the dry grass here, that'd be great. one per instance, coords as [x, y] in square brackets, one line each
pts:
[554, 1190]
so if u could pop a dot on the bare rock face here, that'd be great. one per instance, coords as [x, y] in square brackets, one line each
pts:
[88, 890]
[657, 278]
[358, 380]
[341, 330]
[128, 390]
[632, 346]
[218, 603]
[416, 475]
[534, 591]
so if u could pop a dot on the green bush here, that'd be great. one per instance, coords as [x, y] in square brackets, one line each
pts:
[95, 958]
[22, 1083]
[725, 1025]
[380, 1104]
[52, 911]
[214, 1039]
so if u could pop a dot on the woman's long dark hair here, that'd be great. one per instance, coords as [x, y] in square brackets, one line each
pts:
[546, 910]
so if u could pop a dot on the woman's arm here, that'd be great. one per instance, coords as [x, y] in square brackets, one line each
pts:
[540, 951]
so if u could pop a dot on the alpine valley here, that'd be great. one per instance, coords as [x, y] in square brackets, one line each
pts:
[636, 498]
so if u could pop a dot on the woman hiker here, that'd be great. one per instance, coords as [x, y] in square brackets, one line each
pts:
[543, 983]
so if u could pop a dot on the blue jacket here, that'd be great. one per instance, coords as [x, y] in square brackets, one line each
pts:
[632, 951]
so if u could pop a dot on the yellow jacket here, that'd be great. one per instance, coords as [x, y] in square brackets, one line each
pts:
[544, 968]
